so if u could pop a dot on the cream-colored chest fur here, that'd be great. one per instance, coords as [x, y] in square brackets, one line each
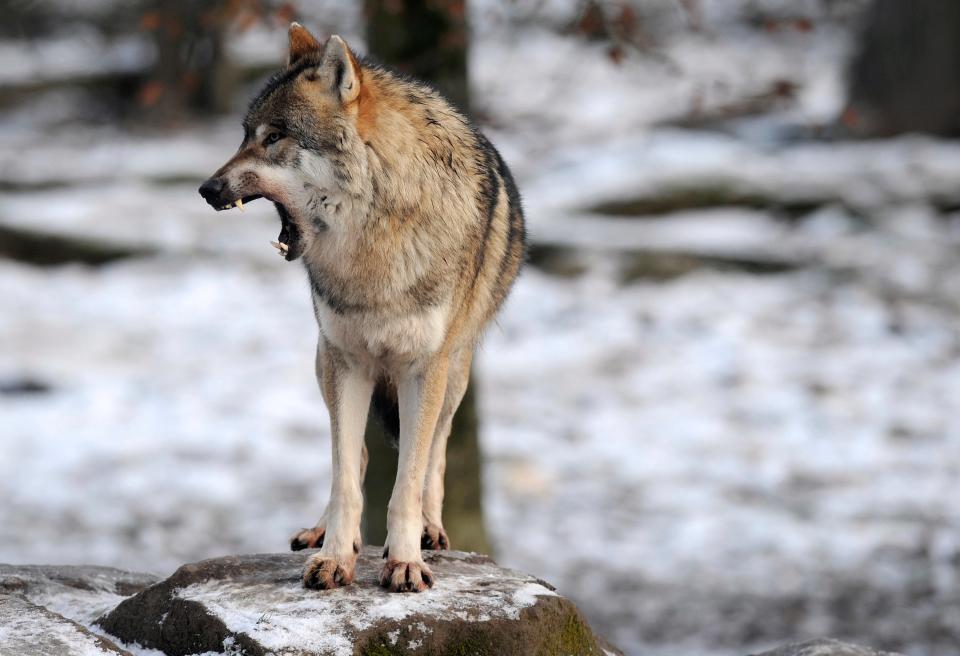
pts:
[382, 341]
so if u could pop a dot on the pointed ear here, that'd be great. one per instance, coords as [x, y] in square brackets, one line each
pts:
[346, 71]
[302, 43]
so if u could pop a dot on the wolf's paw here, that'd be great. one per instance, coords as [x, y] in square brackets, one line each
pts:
[326, 573]
[434, 538]
[399, 576]
[308, 538]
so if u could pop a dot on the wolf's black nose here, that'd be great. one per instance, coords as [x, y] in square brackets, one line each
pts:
[211, 189]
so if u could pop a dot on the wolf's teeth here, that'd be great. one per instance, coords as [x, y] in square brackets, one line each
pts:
[239, 204]
[284, 247]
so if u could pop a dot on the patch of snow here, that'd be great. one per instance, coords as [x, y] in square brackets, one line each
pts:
[27, 627]
[137, 650]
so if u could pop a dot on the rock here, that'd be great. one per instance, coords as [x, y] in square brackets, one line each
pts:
[824, 647]
[256, 605]
[30, 630]
[80, 593]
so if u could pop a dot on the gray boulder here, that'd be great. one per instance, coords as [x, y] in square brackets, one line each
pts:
[30, 630]
[79, 593]
[257, 605]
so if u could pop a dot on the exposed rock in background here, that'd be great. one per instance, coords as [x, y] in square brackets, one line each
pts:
[46, 248]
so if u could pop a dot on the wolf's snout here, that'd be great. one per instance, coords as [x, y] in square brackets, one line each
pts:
[211, 190]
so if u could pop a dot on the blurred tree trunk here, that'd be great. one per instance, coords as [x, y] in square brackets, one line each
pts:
[192, 73]
[425, 38]
[905, 76]
[428, 40]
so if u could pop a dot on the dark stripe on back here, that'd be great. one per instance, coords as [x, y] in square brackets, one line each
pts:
[515, 245]
[487, 197]
[518, 234]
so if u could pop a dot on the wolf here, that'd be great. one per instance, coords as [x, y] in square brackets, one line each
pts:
[410, 228]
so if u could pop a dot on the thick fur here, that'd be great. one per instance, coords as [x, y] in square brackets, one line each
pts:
[411, 232]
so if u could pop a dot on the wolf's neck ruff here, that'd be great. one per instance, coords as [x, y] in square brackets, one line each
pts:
[410, 228]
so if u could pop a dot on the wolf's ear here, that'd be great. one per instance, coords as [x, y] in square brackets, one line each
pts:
[346, 71]
[302, 43]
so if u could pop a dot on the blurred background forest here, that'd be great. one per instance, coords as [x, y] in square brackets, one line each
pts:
[719, 409]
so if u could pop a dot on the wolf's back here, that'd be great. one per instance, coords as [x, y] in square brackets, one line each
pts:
[494, 247]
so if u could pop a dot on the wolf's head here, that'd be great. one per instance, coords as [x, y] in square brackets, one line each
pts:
[296, 141]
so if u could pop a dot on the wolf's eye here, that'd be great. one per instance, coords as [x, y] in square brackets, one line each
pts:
[272, 138]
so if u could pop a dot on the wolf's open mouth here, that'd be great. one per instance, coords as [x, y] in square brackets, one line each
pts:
[288, 243]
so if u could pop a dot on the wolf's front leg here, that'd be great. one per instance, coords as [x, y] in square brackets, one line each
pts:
[458, 376]
[347, 391]
[420, 396]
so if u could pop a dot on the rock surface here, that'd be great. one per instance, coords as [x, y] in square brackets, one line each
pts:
[30, 630]
[256, 605]
[824, 647]
[45, 609]
[79, 593]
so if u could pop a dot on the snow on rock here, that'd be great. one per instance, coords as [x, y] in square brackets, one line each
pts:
[257, 604]
[81, 593]
[30, 630]
[824, 647]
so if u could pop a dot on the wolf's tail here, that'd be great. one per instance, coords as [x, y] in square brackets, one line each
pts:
[385, 408]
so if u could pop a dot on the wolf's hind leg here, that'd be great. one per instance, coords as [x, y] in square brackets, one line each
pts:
[312, 538]
[434, 537]
[347, 390]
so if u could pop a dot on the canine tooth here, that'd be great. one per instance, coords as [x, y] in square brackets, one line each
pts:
[276, 245]
[239, 204]
[284, 247]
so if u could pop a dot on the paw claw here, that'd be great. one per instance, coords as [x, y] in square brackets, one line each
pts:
[434, 538]
[324, 573]
[308, 538]
[399, 576]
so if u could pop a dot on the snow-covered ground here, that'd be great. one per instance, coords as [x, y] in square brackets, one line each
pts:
[707, 464]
